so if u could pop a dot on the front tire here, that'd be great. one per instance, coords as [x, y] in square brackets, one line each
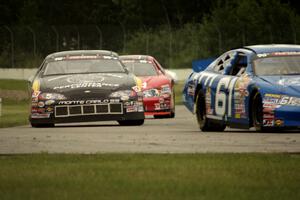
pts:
[131, 122]
[204, 123]
[257, 114]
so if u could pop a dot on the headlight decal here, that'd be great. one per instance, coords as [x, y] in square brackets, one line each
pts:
[151, 93]
[36, 86]
[165, 89]
[51, 96]
[139, 83]
[123, 94]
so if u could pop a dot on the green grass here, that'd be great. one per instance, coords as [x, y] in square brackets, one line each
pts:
[15, 108]
[139, 176]
[7, 84]
[14, 113]
[178, 92]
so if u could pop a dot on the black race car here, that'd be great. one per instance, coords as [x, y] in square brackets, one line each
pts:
[82, 86]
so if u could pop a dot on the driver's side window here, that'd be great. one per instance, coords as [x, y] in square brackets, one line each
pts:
[239, 65]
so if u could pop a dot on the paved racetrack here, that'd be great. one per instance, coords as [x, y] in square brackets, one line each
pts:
[179, 135]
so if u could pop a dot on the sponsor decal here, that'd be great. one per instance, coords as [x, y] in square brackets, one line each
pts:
[240, 94]
[161, 100]
[290, 82]
[140, 107]
[41, 104]
[262, 55]
[268, 122]
[161, 106]
[237, 115]
[136, 89]
[209, 110]
[49, 102]
[86, 85]
[84, 57]
[144, 86]
[280, 100]
[41, 110]
[132, 108]
[34, 104]
[273, 95]
[87, 78]
[285, 53]
[165, 89]
[49, 109]
[39, 116]
[35, 94]
[81, 102]
[157, 106]
[279, 122]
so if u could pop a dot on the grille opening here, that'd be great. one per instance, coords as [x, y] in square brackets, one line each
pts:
[81, 110]
[61, 110]
[88, 109]
[75, 110]
[115, 108]
[102, 108]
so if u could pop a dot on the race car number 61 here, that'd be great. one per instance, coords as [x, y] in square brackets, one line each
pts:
[227, 83]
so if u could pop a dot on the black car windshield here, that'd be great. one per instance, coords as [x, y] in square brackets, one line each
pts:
[83, 66]
[277, 65]
[141, 69]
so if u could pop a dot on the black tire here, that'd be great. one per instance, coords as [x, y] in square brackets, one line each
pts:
[172, 115]
[257, 114]
[205, 124]
[131, 122]
[49, 125]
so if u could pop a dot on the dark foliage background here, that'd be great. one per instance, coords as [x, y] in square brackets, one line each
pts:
[176, 32]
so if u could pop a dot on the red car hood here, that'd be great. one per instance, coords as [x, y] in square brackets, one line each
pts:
[154, 81]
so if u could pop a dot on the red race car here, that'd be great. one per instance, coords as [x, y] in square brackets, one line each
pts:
[158, 85]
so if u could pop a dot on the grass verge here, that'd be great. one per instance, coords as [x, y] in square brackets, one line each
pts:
[15, 108]
[14, 113]
[178, 92]
[149, 176]
[8, 84]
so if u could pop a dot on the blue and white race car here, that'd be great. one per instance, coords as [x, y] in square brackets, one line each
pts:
[254, 86]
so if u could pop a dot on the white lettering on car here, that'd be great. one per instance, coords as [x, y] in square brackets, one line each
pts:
[225, 87]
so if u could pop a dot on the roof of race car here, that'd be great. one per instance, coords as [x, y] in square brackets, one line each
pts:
[83, 52]
[136, 57]
[270, 48]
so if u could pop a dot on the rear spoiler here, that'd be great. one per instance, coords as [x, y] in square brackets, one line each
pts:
[200, 65]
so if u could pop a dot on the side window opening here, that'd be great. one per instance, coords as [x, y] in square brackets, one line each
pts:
[219, 68]
[239, 66]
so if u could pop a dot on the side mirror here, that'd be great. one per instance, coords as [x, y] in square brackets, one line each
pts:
[172, 75]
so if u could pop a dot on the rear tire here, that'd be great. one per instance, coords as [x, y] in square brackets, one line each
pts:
[131, 122]
[205, 124]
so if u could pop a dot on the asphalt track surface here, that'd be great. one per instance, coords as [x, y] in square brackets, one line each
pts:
[178, 135]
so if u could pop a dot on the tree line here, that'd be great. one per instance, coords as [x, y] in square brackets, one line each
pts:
[176, 32]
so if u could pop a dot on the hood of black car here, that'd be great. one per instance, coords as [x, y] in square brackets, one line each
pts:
[87, 85]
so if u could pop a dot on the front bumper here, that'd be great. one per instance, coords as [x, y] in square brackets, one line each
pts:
[157, 106]
[284, 116]
[130, 110]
